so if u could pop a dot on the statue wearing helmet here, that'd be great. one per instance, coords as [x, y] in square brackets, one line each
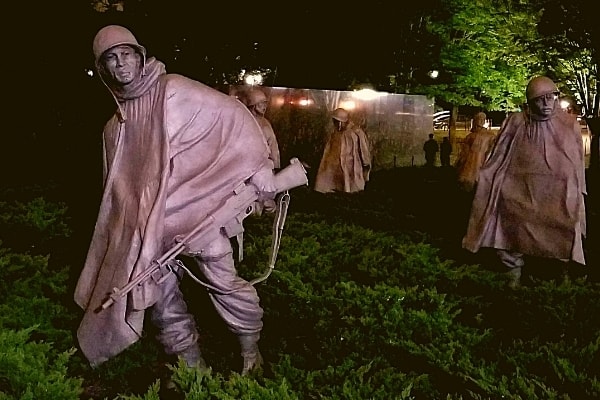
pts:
[473, 152]
[175, 151]
[255, 96]
[346, 162]
[540, 86]
[257, 102]
[340, 114]
[529, 200]
[111, 36]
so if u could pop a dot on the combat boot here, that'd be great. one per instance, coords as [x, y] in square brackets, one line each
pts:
[193, 357]
[514, 262]
[252, 358]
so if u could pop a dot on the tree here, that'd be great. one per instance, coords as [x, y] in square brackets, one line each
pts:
[571, 48]
[484, 59]
[410, 50]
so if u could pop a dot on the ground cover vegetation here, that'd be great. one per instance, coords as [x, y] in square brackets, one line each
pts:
[371, 298]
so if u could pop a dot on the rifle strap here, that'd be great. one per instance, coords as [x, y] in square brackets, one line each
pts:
[283, 203]
[240, 242]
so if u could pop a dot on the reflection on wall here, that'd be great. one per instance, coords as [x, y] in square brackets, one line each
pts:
[397, 125]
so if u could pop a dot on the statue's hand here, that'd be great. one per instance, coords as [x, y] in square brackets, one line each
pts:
[264, 181]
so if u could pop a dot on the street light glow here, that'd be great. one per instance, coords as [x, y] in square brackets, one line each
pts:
[253, 79]
[348, 105]
[367, 94]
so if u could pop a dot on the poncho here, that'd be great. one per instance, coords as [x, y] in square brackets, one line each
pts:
[474, 151]
[173, 152]
[530, 195]
[346, 162]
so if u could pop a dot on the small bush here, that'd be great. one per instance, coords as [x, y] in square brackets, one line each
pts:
[32, 371]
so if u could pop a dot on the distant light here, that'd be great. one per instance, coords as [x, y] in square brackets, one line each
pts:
[89, 72]
[367, 94]
[253, 79]
[348, 104]
[434, 74]
[305, 102]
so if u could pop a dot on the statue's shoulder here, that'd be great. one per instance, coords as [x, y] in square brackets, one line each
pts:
[181, 82]
[518, 117]
[181, 88]
[514, 120]
[568, 120]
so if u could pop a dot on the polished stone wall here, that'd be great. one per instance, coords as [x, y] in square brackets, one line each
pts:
[397, 124]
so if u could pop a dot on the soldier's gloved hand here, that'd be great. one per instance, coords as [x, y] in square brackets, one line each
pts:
[264, 180]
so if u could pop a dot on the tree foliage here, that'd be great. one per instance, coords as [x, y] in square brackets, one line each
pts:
[571, 48]
[484, 57]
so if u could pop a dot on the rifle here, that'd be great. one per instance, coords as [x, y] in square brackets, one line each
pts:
[232, 212]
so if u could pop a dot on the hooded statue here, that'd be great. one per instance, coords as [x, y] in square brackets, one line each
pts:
[174, 149]
[346, 162]
[257, 101]
[474, 150]
[530, 195]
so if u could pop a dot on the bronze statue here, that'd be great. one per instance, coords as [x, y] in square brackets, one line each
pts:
[257, 103]
[473, 152]
[346, 162]
[529, 200]
[176, 153]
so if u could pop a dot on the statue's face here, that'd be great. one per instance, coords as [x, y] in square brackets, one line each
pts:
[339, 125]
[261, 107]
[122, 64]
[544, 105]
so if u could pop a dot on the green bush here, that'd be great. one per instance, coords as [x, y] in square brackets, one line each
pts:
[36, 343]
[35, 224]
[32, 371]
[361, 310]
[30, 294]
[333, 307]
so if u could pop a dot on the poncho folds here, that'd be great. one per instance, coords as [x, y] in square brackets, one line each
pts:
[529, 198]
[172, 153]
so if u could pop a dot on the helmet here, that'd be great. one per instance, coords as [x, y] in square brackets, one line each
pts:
[114, 35]
[479, 119]
[255, 96]
[539, 86]
[340, 114]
